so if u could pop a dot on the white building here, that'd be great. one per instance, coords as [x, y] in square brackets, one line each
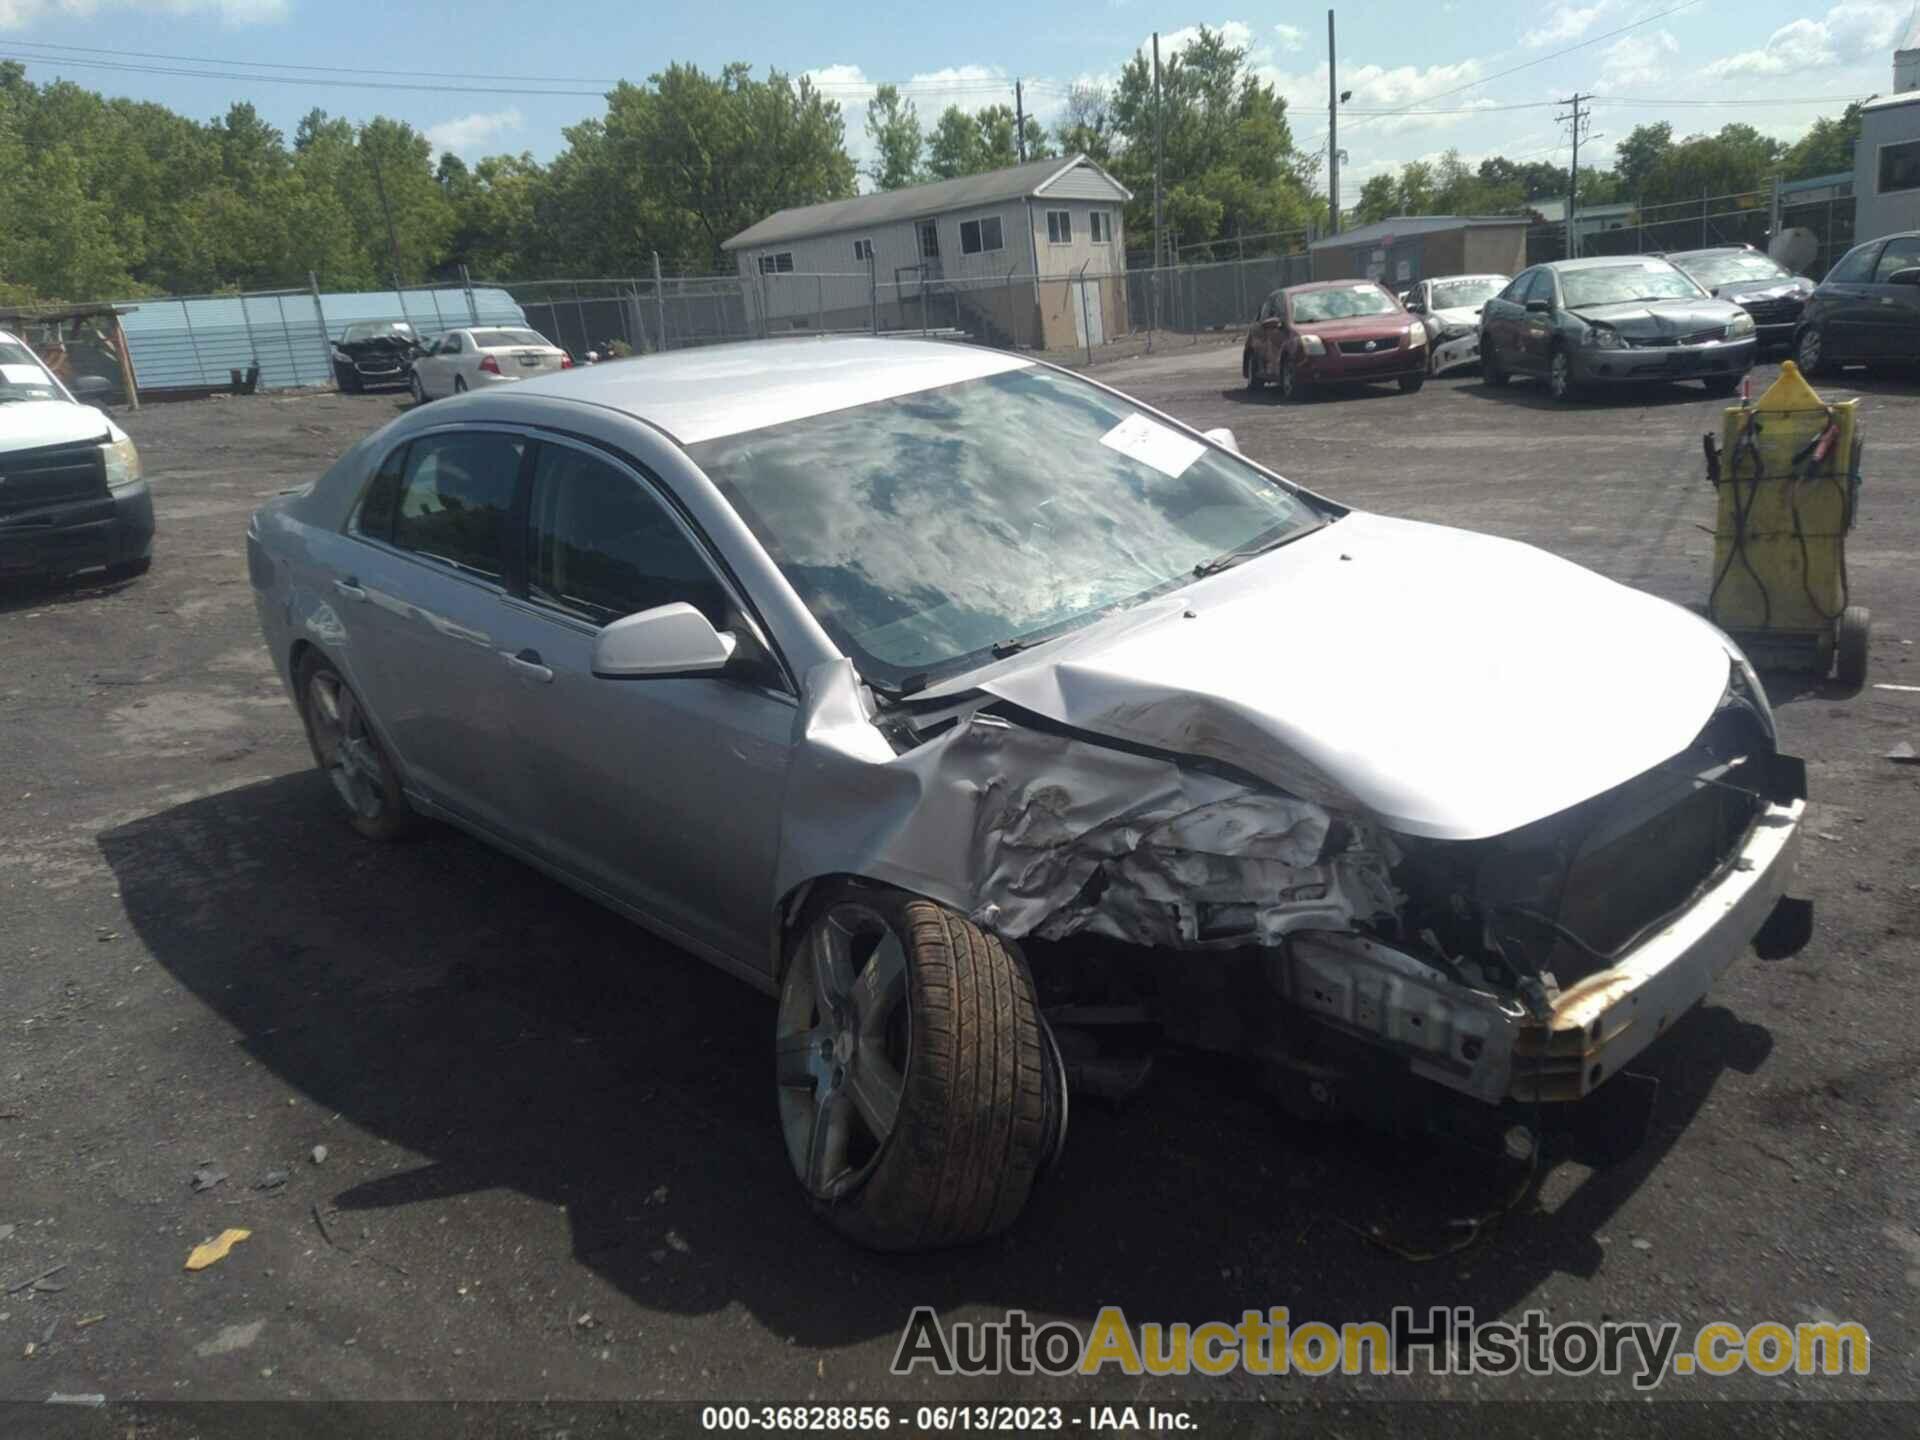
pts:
[1033, 255]
[1886, 166]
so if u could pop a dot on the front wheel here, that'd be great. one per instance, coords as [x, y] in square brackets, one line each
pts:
[918, 1098]
[1560, 383]
[1410, 384]
[1856, 630]
[1490, 368]
[1810, 352]
[1250, 368]
[419, 390]
[344, 746]
[1291, 386]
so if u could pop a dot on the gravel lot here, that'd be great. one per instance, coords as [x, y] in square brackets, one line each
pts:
[552, 1167]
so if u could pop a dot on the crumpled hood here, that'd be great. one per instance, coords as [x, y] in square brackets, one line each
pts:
[1749, 292]
[1460, 317]
[1449, 684]
[1651, 318]
[30, 424]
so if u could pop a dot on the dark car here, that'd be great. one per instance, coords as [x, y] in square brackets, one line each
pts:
[1334, 332]
[1613, 319]
[374, 352]
[1866, 310]
[1772, 294]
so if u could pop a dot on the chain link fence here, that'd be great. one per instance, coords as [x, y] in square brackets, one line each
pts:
[1744, 218]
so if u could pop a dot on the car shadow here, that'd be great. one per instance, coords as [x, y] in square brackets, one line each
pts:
[449, 1000]
[1653, 394]
[1331, 395]
[22, 593]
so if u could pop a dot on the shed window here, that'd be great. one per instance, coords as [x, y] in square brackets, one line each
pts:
[1100, 227]
[980, 235]
[1900, 166]
[777, 264]
[929, 236]
[863, 249]
[1059, 227]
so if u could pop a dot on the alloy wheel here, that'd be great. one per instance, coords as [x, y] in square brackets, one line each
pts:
[1807, 354]
[841, 1046]
[1560, 376]
[345, 746]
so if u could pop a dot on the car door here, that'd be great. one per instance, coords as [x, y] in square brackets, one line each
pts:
[1500, 320]
[1846, 302]
[663, 793]
[1536, 326]
[1888, 318]
[1269, 331]
[421, 606]
[452, 357]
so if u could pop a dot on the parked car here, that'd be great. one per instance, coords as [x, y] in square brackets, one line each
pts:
[462, 360]
[1449, 307]
[1333, 332]
[1613, 320]
[374, 352]
[72, 496]
[1867, 310]
[941, 693]
[1760, 285]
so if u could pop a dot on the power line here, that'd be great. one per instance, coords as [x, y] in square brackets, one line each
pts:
[288, 65]
[1528, 64]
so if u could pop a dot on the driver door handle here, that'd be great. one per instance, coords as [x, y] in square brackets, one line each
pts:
[351, 588]
[528, 663]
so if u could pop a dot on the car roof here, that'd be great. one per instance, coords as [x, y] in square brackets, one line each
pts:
[1310, 285]
[1600, 262]
[717, 390]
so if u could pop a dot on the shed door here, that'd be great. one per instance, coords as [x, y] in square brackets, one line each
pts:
[1088, 327]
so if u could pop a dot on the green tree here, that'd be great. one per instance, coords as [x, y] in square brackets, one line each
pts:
[893, 125]
[1087, 126]
[956, 147]
[1826, 148]
[1637, 157]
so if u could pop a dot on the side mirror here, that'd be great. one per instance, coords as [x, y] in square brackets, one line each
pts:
[1539, 307]
[667, 640]
[1905, 277]
[1415, 305]
[1222, 437]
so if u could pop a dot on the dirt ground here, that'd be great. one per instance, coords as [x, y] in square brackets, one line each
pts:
[551, 1163]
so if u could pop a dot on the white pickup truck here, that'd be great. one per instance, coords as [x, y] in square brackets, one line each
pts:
[71, 494]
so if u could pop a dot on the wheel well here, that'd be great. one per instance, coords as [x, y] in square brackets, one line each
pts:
[297, 657]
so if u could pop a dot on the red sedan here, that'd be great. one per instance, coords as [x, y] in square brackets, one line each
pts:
[1334, 332]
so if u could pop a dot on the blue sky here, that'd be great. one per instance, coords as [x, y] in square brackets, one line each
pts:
[1773, 63]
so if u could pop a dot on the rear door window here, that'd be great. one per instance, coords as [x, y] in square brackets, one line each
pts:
[455, 497]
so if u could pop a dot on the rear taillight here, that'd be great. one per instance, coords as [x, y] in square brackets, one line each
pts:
[566, 362]
[489, 364]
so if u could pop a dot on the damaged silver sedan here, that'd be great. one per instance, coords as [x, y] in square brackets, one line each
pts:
[962, 703]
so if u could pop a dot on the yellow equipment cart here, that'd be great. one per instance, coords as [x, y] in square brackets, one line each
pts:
[1787, 471]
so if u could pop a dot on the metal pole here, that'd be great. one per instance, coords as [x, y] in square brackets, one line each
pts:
[438, 319]
[1019, 122]
[253, 346]
[1086, 321]
[659, 301]
[473, 309]
[1333, 138]
[820, 303]
[1773, 212]
[873, 296]
[186, 314]
[1159, 151]
[401, 295]
[320, 314]
[580, 318]
[293, 366]
[1703, 218]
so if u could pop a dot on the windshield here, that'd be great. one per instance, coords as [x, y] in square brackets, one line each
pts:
[21, 377]
[1458, 294]
[1716, 270]
[1342, 304]
[925, 531]
[1617, 284]
[499, 339]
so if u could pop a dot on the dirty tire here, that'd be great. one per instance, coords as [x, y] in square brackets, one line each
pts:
[1723, 384]
[419, 390]
[1856, 631]
[1810, 352]
[1250, 369]
[1290, 386]
[972, 1127]
[130, 569]
[459, 384]
[1410, 384]
[391, 817]
[1490, 370]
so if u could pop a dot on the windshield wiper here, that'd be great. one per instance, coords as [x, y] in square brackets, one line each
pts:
[1247, 552]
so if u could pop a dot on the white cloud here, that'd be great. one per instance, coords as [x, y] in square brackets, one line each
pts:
[1851, 32]
[1637, 59]
[1566, 23]
[18, 14]
[470, 132]
[1292, 37]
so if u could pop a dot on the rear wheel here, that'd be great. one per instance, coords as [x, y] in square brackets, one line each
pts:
[419, 390]
[345, 748]
[459, 384]
[918, 1095]
[1490, 367]
[1723, 384]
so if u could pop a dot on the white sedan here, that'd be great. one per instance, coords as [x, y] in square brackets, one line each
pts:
[462, 360]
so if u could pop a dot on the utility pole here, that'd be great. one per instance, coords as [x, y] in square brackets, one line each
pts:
[1333, 138]
[1578, 117]
[380, 189]
[1159, 153]
[1019, 122]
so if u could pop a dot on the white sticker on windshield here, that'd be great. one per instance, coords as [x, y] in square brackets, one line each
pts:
[21, 375]
[1152, 443]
